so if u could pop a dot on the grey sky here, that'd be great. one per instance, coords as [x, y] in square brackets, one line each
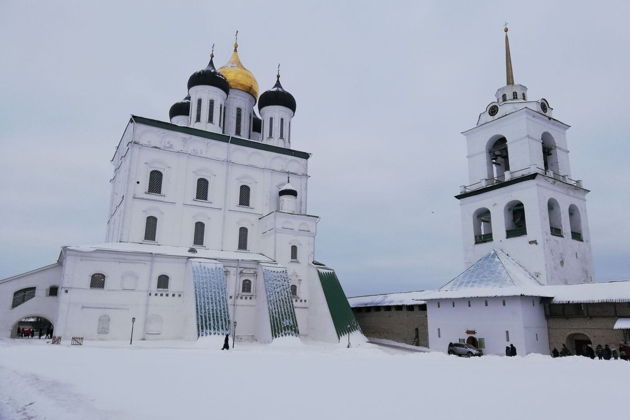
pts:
[383, 91]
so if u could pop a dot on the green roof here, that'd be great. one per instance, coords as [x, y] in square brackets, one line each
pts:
[220, 137]
[340, 311]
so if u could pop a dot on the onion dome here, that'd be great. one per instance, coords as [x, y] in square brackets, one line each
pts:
[238, 76]
[256, 124]
[209, 77]
[181, 108]
[288, 189]
[277, 96]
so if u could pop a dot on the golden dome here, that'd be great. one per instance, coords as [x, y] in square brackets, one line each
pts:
[238, 76]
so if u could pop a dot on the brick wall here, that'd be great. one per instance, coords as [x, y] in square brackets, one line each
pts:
[396, 323]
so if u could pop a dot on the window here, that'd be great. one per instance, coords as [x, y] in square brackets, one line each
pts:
[282, 128]
[498, 158]
[377, 309]
[294, 252]
[162, 282]
[242, 238]
[504, 97]
[388, 308]
[507, 336]
[524, 97]
[469, 304]
[289, 130]
[200, 229]
[150, 228]
[244, 193]
[22, 296]
[97, 281]
[293, 290]
[224, 112]
[486, 303]
[515, 219]
[220, 115]
[514, 95]
[198, 112]
[410, 308]
[482, 225]
[53, 290]
[211, 111]
[202, 189]
[155, 182]
[503, 302]
[270, 127]
[239, 117]
[555, 217]
[246, 286]
[453, 303]
[439, 333]
[550, 153]
[533, 302]
[438, 304]
[103, 324]
[575, 222]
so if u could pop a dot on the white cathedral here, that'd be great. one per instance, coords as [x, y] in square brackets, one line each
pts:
[207, 232]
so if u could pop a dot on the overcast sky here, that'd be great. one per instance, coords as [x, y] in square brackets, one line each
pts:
[384, 90]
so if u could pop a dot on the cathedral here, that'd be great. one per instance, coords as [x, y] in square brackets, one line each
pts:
[527, 246]
[208, 231]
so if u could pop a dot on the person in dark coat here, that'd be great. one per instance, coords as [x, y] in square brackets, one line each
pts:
[512, 350]
[555, 352]
[599, 351]
[607, 353]
[589, 351]
[508, 351]
[565, 351]
[615, 355]
[226, 342]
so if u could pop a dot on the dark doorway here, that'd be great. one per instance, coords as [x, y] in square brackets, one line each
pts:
[578, 342]
[32, 327]
[472, 341]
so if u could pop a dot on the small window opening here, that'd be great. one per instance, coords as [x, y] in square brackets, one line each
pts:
[150, 228]
[162, 282]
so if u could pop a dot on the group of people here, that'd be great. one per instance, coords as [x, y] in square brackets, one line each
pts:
[31, 332]
[510, 350]
[602, 353]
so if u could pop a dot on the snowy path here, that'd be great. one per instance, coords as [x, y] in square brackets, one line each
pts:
[148, 381]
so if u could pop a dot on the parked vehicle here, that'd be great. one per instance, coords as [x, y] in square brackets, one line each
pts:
[463, 349]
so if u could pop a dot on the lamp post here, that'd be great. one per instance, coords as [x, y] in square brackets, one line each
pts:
[133, 321]
[348, 335]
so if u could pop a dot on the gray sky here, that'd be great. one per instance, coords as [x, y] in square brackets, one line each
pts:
[383, 91]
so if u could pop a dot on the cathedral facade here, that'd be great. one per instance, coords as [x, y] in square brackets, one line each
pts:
[208, 231]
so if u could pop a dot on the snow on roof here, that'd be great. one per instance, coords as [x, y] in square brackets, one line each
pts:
[390, 299]
[176, 251]
[496, 274]
[614, 291]
[622, 324]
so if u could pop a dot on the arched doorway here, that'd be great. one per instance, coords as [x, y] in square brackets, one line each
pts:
[472, 341]
[32, 327]
[577, 343]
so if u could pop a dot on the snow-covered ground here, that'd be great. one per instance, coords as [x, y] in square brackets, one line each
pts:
[295, 381]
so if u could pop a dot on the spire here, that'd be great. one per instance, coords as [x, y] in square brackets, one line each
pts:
[508, 59]
[211, 63]
[277, 85]
[236, 41]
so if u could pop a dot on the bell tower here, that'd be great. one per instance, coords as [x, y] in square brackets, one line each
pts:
[521, 196]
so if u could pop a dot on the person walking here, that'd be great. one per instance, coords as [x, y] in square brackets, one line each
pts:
[555, 352]
[565, 351]
[508, 351]
[599, 351]
[512, 350]
[226, 342]
[607, 353]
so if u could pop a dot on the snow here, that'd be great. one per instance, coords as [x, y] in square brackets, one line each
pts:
[293, 380]
[622, 324]
[389, 299]
[614, 291]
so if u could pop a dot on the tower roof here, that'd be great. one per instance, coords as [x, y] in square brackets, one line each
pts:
[509, 74]
[238, 76]
[180, 108]
[209, 76]
[277, 96]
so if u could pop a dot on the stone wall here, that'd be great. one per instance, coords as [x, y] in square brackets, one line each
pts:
[397, 323]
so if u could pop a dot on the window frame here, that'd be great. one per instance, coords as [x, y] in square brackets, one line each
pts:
[244, 195]
[23, 295]
[150, 227]
[250, 287]
[155, 183]
[198, 111]
[238, 122]
[161, 279]
[199, 233]
[211, 111]
[294, 253]
[96, 282]
[243, 234]
[202, 189]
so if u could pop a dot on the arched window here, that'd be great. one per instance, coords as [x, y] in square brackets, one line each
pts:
[220, 115]
[239, 117]
[103, 324]
[211, 111]
[294, 252]
[550, 154]
[97, 281]
[162, 282]
[202, 189]
[242, 238]
[198, 111]
[515, 219]
[293, 290]
[200, 229]
[482, 225]
[524, 97]
[53, 290]
[270, 127]
[22, 296]
[282, 128]
[244, 195]
[246, 287]
[150, 228]
[499, 159]
[555, 217]
[575, 221]
[504, 97]
[155, 182]
[514, 95]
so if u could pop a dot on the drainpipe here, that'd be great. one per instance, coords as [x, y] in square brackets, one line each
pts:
[236, 282]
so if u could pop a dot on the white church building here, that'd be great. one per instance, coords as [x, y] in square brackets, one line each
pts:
[207, 232]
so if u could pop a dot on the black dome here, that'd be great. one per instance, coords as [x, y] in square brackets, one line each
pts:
[209, 77]
[277, 96]
[257, 125]
[180, 108]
